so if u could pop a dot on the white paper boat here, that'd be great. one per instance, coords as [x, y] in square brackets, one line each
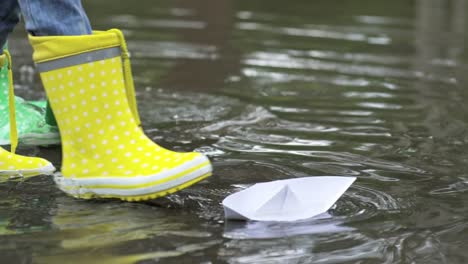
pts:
[286, 200]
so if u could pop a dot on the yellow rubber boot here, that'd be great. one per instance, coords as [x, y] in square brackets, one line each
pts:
[89, 84]
[12, 164]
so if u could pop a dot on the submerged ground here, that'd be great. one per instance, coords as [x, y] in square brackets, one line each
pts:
[274, 90]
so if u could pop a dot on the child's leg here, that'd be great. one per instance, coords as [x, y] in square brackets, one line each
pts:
[55, 17]
[9, 17]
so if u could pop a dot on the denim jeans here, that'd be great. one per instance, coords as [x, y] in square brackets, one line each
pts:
[44, 17]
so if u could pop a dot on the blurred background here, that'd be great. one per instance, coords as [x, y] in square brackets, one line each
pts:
[274, 90]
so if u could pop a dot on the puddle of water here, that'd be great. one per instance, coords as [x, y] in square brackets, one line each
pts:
[274, 90]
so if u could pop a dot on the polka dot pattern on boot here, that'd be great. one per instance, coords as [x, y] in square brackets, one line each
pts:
[99, 134]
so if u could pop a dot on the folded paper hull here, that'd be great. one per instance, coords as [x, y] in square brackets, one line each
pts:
[286, 200]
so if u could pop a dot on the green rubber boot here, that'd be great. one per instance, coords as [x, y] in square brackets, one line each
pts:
[33, 129]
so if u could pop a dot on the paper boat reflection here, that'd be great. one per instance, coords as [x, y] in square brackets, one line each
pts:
[320, 224]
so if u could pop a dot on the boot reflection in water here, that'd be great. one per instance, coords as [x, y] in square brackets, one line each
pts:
[89, 84]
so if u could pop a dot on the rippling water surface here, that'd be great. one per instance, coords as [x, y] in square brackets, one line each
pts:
[273, 90]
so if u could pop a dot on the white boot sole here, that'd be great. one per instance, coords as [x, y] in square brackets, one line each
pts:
[46, 170]
[136, 188]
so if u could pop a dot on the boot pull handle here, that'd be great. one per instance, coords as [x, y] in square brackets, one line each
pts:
[127, 70]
